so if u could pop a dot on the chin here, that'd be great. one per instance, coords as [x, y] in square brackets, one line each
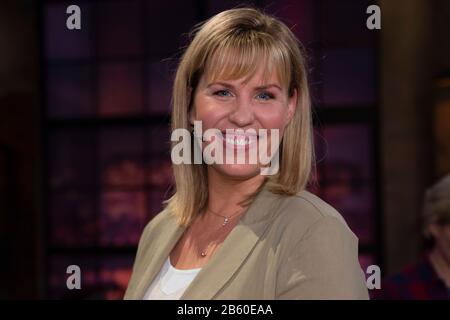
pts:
[238, 171]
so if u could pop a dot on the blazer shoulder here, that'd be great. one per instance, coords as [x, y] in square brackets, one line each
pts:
[304, 209]
[319, 206]
[319, 255]
[158, 222]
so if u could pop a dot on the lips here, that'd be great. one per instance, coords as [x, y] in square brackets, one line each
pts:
[238, 140]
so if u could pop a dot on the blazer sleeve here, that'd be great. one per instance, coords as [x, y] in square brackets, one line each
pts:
[323, 264]
[137, 265]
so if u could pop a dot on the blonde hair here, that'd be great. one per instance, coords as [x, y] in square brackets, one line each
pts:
[230, 45]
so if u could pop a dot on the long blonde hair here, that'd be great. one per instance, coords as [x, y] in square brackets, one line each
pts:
[230, 45]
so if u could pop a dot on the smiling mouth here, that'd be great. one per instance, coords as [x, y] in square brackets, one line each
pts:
[239, 139]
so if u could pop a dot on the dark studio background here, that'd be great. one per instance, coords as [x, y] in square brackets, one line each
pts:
[84, 154]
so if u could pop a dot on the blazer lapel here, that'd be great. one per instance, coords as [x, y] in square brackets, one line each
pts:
[156, 256]
[235, 248]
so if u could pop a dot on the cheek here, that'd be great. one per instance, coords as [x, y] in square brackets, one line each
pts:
[273, 117]
[208, 112]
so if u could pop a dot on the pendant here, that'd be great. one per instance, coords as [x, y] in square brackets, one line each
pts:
[225, 221]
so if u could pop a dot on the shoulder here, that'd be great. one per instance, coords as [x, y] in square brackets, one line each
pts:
[312, 204]
[158, 224]
[305, 213]
[413, 279]
[318, 252]
[415, 272]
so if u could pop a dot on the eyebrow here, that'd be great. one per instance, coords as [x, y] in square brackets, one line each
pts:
[229, 85]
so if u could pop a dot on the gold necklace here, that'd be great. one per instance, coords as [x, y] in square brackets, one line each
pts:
[225, 222]
[225, 218]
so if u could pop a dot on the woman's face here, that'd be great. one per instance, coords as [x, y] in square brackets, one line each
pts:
[236, 104]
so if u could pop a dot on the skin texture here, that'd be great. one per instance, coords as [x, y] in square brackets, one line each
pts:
[231, 104]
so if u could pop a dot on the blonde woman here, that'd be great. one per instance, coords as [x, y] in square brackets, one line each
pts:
[230, 232]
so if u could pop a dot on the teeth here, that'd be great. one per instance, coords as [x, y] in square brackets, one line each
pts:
[238, 141]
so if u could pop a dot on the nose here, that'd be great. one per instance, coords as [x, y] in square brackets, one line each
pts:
[242, 114]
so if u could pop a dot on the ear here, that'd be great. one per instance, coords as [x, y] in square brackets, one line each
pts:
[292, 106]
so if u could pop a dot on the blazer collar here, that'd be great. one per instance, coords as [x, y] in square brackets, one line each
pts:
[228, 257]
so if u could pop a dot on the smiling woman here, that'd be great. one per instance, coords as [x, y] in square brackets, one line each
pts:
[230, 232]
[229, 146]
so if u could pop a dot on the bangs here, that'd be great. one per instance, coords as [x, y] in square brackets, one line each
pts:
[240, 56]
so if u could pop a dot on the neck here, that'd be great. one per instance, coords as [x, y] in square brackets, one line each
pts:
[441, 265]
[226, 193]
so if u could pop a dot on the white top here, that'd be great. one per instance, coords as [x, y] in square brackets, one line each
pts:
[170, 283]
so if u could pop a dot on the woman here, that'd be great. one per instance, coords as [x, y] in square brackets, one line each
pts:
[230, 232]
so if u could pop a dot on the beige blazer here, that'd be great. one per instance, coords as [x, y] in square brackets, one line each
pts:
[284, 247]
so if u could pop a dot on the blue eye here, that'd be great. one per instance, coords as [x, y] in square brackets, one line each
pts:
[265, 96]
[222, 93]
